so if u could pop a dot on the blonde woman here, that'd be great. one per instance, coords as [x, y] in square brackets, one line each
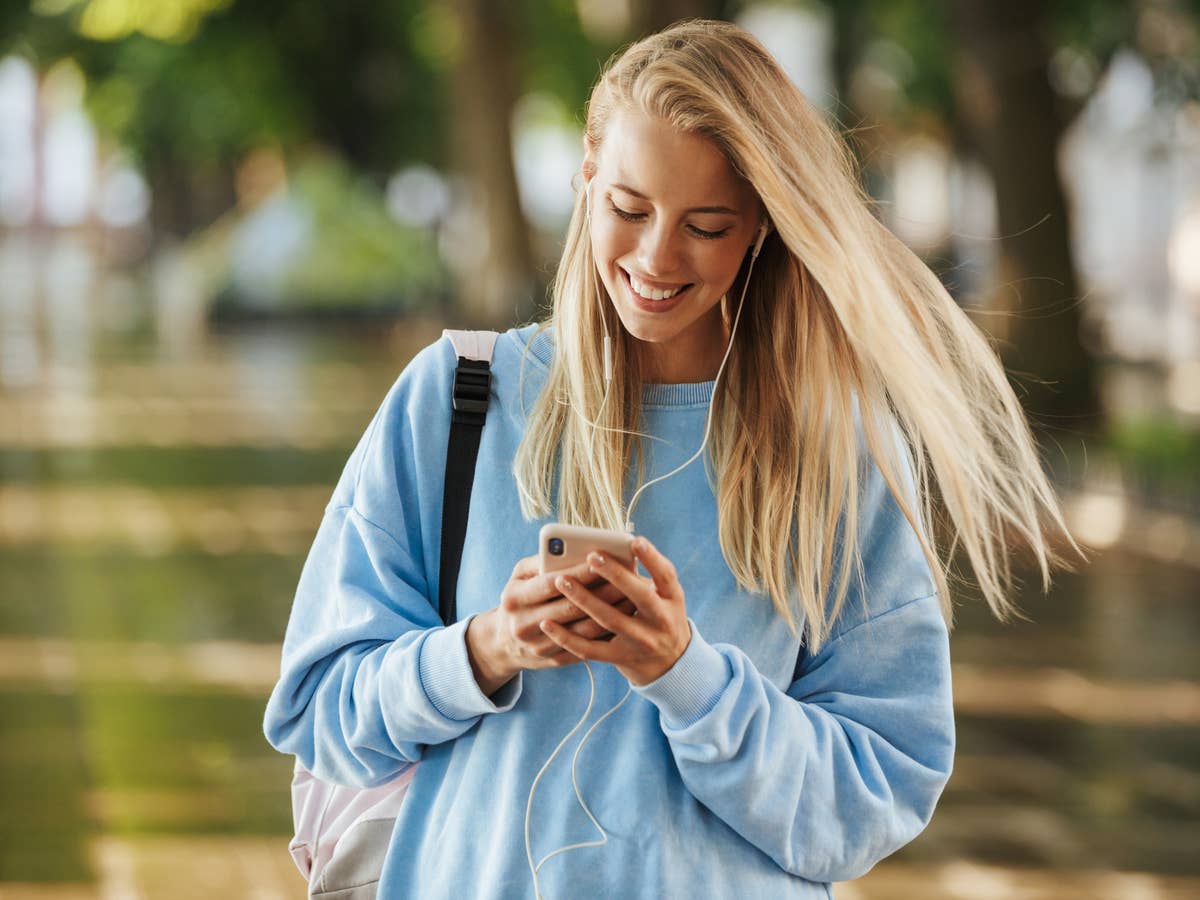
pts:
[752, 375]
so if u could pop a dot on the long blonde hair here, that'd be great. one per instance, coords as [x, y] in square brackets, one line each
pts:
[842, 323]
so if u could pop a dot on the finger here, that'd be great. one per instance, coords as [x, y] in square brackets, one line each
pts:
[588, 628]
[526, 568]
[632, 585]
[542, 587]
[583, 624]
[564, 612]
[538, 650]
[601, 651]
[555, 659]
[607, 592]
[661, 569]
[561, 610]
[547, 587]
[605, 614]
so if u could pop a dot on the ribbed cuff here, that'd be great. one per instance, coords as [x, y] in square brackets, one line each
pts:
[689, 689]
[449, 683]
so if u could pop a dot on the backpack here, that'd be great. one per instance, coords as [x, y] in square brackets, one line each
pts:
[343, 833]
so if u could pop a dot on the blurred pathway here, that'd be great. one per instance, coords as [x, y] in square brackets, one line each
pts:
[154, 514]
[252, 869]
[1022, 693]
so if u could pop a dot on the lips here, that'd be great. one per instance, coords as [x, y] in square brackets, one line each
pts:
[646, 284]
[653, 306]
[647, 288]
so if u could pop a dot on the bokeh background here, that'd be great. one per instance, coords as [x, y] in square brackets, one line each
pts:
[225, 226]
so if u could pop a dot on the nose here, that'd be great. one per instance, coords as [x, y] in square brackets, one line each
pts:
[658, 253]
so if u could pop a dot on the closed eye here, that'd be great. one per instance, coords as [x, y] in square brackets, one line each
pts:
[627, 216]
[636, 217]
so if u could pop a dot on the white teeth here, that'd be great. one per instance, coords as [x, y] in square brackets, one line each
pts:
[652, 293]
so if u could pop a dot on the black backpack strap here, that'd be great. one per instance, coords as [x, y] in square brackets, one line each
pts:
[801, 659]
[470, 395]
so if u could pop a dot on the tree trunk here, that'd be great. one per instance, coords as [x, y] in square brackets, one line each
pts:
[1006, 101]
[187, 196]
[655, 15]
[500, 290]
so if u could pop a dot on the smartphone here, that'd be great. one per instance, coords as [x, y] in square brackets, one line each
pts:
[562, 546]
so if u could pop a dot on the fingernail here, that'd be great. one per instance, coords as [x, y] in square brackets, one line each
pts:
[564, 583]
[598, 559]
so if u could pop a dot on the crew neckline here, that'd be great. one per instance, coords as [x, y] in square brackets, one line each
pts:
[676, 396]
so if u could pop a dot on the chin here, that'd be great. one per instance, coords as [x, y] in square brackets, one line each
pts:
[656, 330]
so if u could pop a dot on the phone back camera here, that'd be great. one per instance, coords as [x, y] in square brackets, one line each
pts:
[556, 547]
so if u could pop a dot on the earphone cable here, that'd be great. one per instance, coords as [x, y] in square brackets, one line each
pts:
[537, 778]
[578, 794]
[629, 528]
[708, 420]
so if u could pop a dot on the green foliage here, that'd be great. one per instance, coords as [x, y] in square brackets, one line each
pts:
[189, 760]
[559, 58]
[169, 467]
[113, 593]
[45, 826]
[269, 71]
[923, 30]
[110, 20]
[360, 253]
[169, 102]
[1098, 27]
[1161, 450]
[1093, 28]
[350, 255]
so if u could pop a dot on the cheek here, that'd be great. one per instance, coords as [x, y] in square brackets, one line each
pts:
[720, 265]
[610, 239]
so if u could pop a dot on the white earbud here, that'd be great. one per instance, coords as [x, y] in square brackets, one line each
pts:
[763, 230]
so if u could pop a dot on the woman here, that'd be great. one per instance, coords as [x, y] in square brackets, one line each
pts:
[778, 682]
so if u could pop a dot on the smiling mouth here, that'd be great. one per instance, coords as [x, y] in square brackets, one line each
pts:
[670, 295]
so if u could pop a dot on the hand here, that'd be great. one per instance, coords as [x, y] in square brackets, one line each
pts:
[507, 639]
[648, 641]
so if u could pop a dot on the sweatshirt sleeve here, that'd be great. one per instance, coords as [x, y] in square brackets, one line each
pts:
[846, 766]
[369, 675]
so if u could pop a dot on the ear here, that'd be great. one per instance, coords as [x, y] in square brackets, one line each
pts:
[589, 158]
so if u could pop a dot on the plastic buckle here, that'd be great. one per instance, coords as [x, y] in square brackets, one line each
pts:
[472, 387]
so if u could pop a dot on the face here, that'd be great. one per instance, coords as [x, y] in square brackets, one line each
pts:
[668, 213]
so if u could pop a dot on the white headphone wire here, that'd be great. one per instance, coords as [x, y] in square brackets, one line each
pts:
[534, 869]
[708, 420]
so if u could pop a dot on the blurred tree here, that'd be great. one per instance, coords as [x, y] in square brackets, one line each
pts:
[501, 52]
[979, 73]
[393, 82]
[1011, 115]
[383, 84]
[1002, 81]
[655, 15]
[189, 103]
[486, 82]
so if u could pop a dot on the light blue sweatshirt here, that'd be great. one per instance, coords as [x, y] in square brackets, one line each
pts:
[726, 777]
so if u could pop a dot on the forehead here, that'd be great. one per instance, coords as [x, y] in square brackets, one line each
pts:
[669, 166]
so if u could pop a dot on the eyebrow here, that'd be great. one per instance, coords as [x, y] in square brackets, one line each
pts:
[723, 210]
